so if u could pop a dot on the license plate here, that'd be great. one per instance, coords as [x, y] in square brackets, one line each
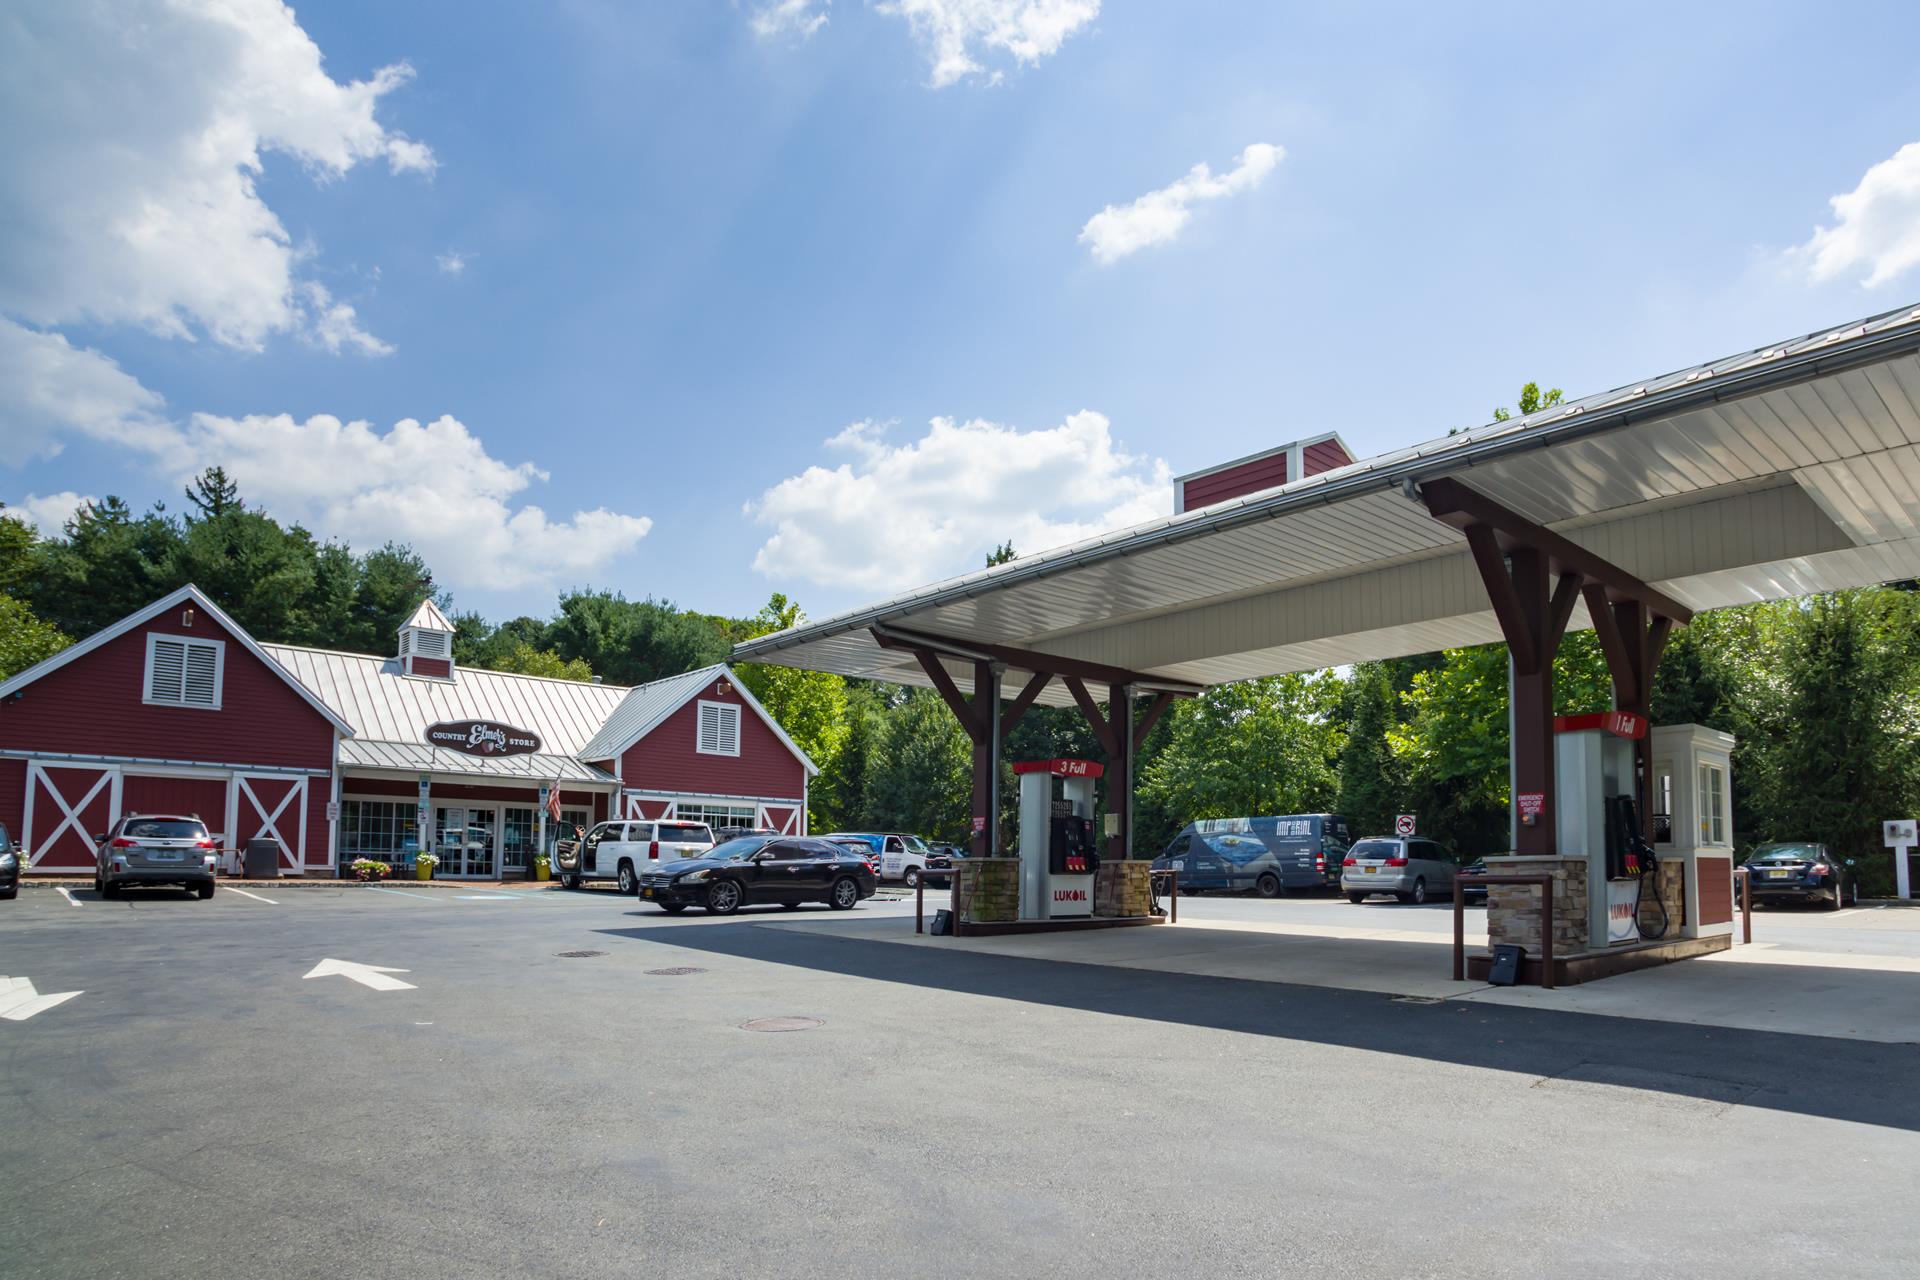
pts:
[163, 855]
[1779, 875]
[1371, 870]
[1179, 865]
[646, 893]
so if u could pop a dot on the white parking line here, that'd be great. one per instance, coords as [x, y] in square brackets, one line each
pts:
[402, 892]
[68, 895]
[256, 897]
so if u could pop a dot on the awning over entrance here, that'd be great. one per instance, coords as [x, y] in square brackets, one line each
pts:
[417, 757]
[1787, 470]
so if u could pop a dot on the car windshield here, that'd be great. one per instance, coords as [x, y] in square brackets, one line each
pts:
[915, 843]
[1375, 849]
[164, 829]
[1784, 853]
[737, 850]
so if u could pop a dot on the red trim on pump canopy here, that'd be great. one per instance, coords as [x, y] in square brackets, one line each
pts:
[1620, 724]
[1061, 768]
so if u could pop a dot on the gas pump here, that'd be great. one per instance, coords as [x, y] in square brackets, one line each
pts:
[1595, 772]
[1058, 856]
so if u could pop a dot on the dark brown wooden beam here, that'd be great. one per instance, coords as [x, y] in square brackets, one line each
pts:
[1505, 598]
[957, 702]
[1622, 657]
[1102, 729]
[1025, 659]
[1452, 502]
[1011, 716]
[1150, 717]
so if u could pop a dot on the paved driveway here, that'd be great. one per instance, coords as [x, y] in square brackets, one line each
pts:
[495, 1105]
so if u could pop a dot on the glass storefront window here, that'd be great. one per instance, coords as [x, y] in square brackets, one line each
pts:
[382, 829]
[1712, 802]
[715, 816]
[516, 839]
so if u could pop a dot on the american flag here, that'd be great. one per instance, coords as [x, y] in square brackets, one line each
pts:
[553, 800]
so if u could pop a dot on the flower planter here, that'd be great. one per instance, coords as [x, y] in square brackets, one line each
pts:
[423, 871]
[542, 871]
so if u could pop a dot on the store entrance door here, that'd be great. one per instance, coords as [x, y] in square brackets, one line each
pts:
[469, 842]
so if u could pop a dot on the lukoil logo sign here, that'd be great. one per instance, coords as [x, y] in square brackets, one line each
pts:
[1069, 895]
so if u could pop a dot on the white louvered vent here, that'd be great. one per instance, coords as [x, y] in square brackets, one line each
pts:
[430, 644]
[719, 729]
[183, 672]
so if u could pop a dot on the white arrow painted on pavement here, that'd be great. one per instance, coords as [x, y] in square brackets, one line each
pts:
[19, 1001]
[367, 975]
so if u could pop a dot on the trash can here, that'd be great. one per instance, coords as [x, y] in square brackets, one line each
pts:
[263, 859]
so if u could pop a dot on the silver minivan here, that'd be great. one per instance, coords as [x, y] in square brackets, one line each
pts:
[1411, 869]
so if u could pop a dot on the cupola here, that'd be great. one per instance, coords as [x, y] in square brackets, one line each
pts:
[426, 644]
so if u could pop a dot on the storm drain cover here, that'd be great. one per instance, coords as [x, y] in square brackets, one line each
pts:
[578, 955]
[783, 1024]
[1419, 999]
[678, 971]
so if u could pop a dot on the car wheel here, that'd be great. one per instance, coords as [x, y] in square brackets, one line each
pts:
[911, 877]
[99, 885]
[570, 882]
[673, 908]
[1268, 885]
[1419, 894]
[1839, 898]
[108, 889]
[845, 894]
[1356, 898]
[205, 891]
[790, 906]
[723, 898]
[629, 883]
[9, 893]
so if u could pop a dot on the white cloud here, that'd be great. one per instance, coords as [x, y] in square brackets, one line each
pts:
[952, 30]
[897, 515]
[333, 324]
[453, 263]
[433, 485]
[134, 143]
[1159, 216]
[778, 18]
[1876, 226]
[48, 514]
[50, 389]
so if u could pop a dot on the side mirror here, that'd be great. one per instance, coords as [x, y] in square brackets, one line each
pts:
[101, 838]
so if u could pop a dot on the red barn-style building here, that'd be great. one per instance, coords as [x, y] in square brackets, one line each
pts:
[336, 756]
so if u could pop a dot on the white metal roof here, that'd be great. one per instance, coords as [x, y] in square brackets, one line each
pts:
[429, 618]
[418, 757]
[1781, 471]
[381, 704]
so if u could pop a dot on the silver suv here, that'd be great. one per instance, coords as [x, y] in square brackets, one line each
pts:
[1411, 869]
[155, 848]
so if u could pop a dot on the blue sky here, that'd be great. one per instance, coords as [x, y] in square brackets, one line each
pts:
[719, 277]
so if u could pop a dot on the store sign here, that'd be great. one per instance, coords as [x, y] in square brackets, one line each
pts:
[1623, 910]
[482, 738]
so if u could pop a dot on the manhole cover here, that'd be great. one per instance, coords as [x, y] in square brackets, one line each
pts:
[1419, 999]
[679, 970]
[578, 955]
[783, 1024]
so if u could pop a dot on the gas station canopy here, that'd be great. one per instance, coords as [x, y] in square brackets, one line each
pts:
[1779, 472]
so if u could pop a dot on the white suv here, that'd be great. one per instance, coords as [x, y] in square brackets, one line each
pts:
[620, 851]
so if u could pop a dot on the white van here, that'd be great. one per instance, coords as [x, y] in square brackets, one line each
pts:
[620, 851]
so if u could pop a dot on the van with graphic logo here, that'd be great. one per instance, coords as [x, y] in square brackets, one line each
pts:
[1264, 856]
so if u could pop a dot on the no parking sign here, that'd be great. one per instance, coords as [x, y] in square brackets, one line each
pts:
[1403, 825]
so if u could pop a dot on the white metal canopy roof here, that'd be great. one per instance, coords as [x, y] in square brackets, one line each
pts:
[1791, 469]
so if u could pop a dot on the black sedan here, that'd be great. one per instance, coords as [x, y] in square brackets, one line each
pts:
[752, 870]
[11, 857]
[1802, 872]
[1474, 892]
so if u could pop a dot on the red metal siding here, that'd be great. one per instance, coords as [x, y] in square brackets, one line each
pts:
[1232, 482]
[454, 793]
[146, 793]
[13, 796]
[439, 667]
[92, 706]
[74, 850]
[665, 760]
[1323, 456]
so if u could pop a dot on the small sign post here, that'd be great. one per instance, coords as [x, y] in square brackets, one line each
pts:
[1899, 835]
[1403, 825]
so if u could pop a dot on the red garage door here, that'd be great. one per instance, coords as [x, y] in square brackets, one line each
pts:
[201, 796]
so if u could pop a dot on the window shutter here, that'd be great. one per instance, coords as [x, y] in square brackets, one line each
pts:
[729, 731]
[719, 730]
[709, 728]
[167, 675]
[202, 684]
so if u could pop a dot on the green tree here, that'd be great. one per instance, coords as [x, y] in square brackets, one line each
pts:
[920, 774]
[1372, 786]
[633, 641]
[1532, 400]
[260, 573]
[523, 658]
[1001, 554]
[17, 543]
[393, 581]
[106, 564]
[1251, 748]
[837, 800]
[25, 639]
[810, 705]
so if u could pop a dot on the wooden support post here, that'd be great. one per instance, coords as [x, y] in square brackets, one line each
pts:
[1120, 770]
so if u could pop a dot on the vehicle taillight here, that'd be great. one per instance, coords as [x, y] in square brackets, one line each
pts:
[121, 842]
[1819, 868]
[1348, 863]
[1396, 862]
[204, 844]
[653, 849]
[1319, 862]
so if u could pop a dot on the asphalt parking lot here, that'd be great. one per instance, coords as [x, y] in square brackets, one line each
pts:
[494, 1104]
